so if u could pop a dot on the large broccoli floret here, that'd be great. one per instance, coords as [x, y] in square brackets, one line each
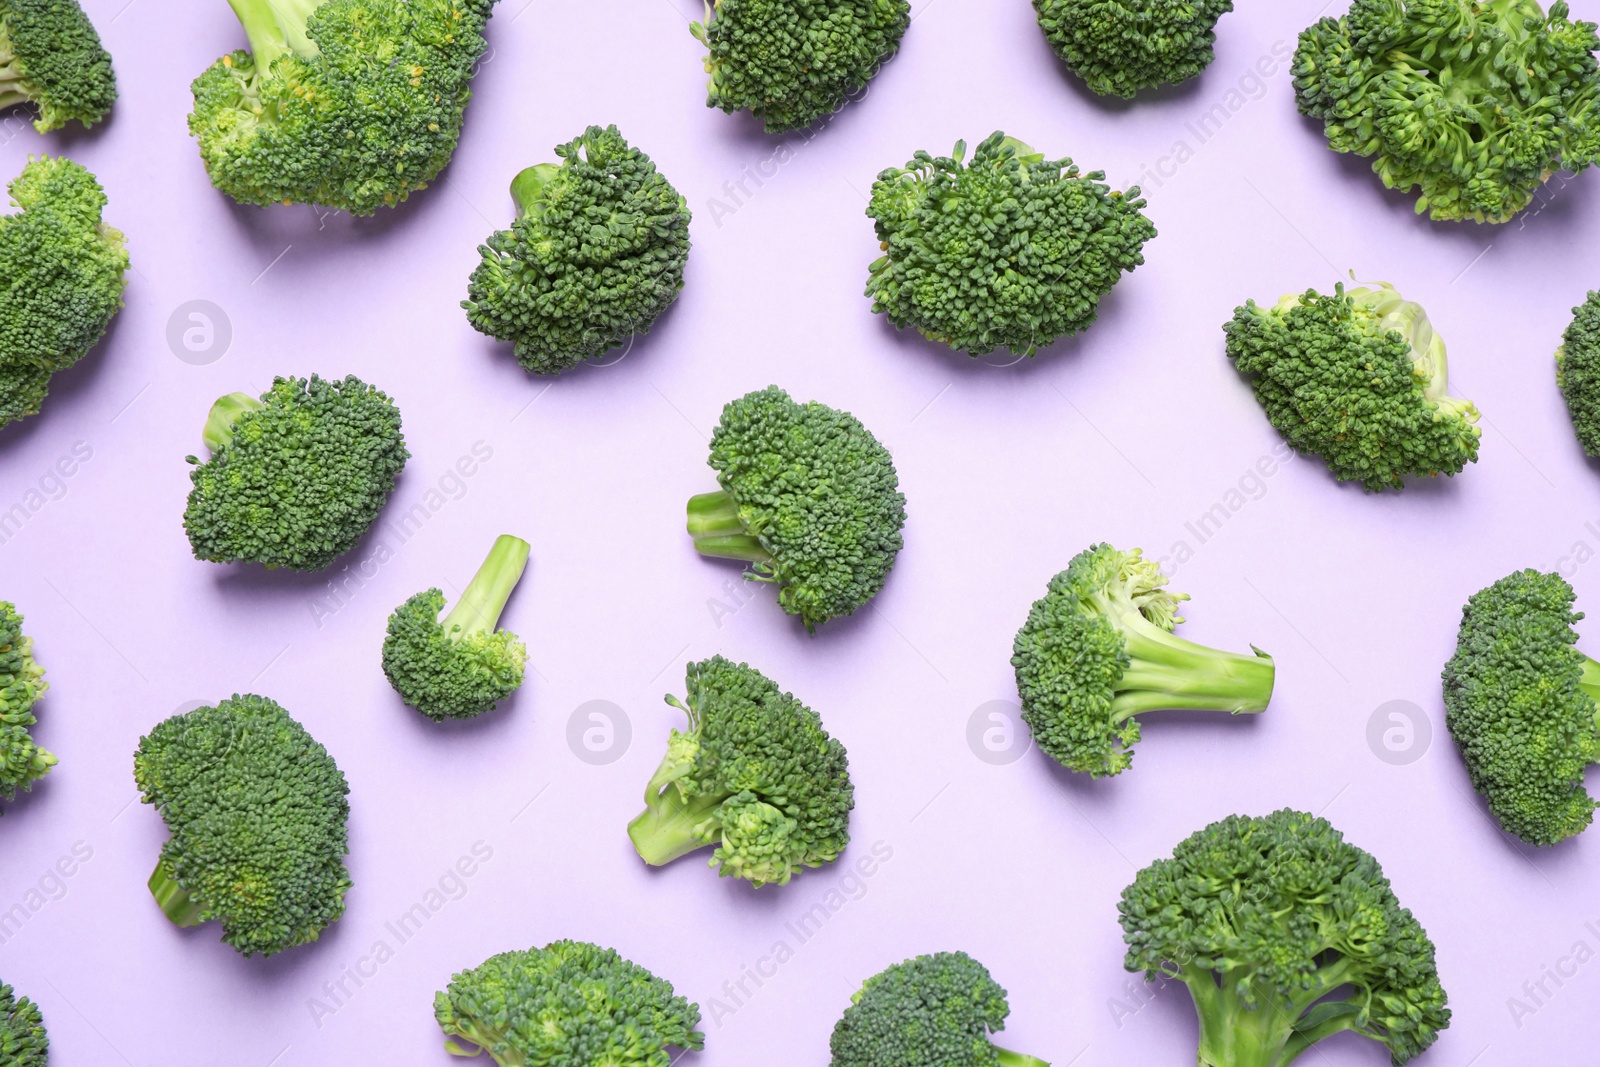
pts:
[755, 774]
[1010, 250]
[460, 666]
[1119, 47]
[22, 762]
[809, 499]
[1285, 934]
[51, 57]
[595, 255]
[791, 62]
[23, 1041]
[1521, 703]
[1357, 377]
[352, 104]
[64, 279]
[1474, 102]
[565, 1005]
[1578, 372]
[296, 478]
[932, 1011]
[257, 811]
[1098, 650]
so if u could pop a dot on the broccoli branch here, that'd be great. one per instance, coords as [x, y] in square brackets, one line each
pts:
[1167, 673]
[718, 531]
[276, 28]
[225, 414]
[1007, 1058]
[528, 188]
[479, 609]
[174, 899]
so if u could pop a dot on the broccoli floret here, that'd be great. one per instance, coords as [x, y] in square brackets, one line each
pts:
[1578, 372]
[791, 62]
[1285, 934]
[567, 1003]
[1119, 47]
[1521, 702]
[51, 57]
[932, 1011]
[21, 685]
[296, 478]
[460, 666]
[1010, 250]
[65, 276]
[23, 1041]
[595, 255]
[351, 104]
[1098, 650]
[257, 810]
[809, 499]
[755, 774]
[1474, 102]
[1359, 378]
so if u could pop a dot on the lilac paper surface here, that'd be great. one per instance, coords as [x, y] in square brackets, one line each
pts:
[1133, 433]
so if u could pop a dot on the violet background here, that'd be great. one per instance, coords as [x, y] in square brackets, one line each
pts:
[1128, 433]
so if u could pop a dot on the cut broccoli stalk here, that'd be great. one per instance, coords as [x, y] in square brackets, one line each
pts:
[1167, 673]
[528, 188]
[175, 900]
[665, 830]
[1006, 1058]
[225, 414]
[276, 28]
[1270, 1034]
[480, 607]
[718, 531]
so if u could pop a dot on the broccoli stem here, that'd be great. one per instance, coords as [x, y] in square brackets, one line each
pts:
[478, 611]
[664, 831]
[276, 27]
[225, 414]
[1589, 682]
[175, 900]
[1167, 673]
[1007, 1058]
[718, 531]
[528, 187]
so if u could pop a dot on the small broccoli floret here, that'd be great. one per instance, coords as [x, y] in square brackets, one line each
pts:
[64, 279]
[567, 1003]
[352, 104]
[23, 1041]
[51, 57]
[595, 255]
[296, 478]
[1010, 250]
[755, 774]
[1098, 650]
[791, 62]
[1476, 103]
[1521, 703]
[460, 666]
[1285, 934]
[809, 499]
[1119, 47]
[21, 685]
[1578, 372]
[257, 811]
[1359, 378]
[932, 1011]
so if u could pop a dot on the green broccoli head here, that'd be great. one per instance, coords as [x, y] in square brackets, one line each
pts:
[755, 774]
[1359, 378]
[1119, 47]
[792, 62]
[296, 478]
[567, 1003]
[351, 104]
[1476, 103]
[809, 498]
[1010, 250]
[460, 666]
[65, 276]
[932, 1011]
[1285, 934]
[1578, 372]
[595, 256]
[21, 685]
[257, 812]
[23, 1041]
[1098, 650]
[51, 57]
[1520, 701]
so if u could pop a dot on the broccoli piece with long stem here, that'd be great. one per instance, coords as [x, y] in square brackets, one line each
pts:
[459, 666]
[22, 684]
[23, 1040]
[1098, 650]
[1119, 47]
[51, 57]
